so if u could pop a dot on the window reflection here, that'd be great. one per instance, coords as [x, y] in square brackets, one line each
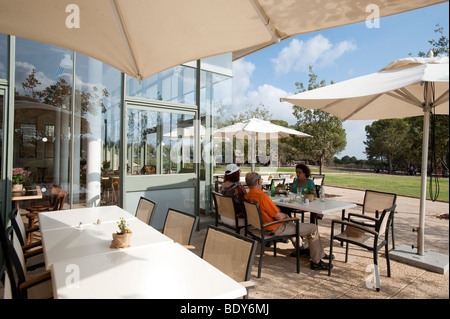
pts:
[43, 94]
[159, 142]
[97, 133]
[175, 85]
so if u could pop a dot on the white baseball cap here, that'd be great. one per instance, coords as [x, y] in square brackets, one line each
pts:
[230, 169]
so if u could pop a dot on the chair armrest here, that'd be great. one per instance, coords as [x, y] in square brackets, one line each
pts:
[32, 229]
[32, 245]
[362, 216]
[292, 219]
[33, 253]
[354, 225]
[35, 281]
[248, 284]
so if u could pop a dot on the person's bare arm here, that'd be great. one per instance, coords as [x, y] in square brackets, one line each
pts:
[281, 216]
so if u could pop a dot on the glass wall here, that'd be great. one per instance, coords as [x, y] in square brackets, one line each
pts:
[68, 126]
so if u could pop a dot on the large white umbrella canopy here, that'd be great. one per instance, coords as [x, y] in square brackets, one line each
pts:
[256, 129]
[261, 129]
[406, 87]
[144, 37]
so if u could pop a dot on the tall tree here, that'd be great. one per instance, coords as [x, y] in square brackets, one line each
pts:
[388, 139]
[329, 137]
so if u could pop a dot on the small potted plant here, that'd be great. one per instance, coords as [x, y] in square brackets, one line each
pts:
[122, 238]
[309, 194]
[280, 188]
[19, 177]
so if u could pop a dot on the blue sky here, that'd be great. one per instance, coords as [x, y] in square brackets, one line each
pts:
[337, 54]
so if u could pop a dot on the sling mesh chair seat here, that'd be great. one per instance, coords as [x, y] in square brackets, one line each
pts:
[372, 237]
[231, 253]
[145, 209]
[226, 213]
[180, 226]
[259, 232]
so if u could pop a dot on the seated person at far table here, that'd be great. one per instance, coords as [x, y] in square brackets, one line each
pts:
[232, 187]
[304, 182]
[270, 212]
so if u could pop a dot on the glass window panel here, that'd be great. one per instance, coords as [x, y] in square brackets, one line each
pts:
[3, 56]
[96, 133]
[159, 142]
[43, 87]
[218, 64]
[176, 85]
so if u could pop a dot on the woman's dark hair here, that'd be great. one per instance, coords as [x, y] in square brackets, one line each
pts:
[232, 177]
[305, 169]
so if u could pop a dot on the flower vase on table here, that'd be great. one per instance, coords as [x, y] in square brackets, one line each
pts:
[16, 188]
[310, 197]
[19, 177]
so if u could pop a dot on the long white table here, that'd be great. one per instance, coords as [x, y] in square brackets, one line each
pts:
[86, 216]
[84, 266]
[92, 239]
[158, 271]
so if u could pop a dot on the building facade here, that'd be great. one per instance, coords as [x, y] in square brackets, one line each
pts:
[82, 126]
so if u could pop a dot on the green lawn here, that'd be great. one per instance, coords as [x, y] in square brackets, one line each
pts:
[401, 185]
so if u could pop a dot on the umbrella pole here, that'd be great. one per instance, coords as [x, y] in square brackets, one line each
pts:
[424, 170]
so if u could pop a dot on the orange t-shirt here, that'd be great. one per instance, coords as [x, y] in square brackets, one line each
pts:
[266, 205]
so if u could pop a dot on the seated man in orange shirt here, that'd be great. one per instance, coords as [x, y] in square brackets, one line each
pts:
[270, 212]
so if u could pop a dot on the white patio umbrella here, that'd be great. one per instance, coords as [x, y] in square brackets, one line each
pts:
[406, 87]
[256, 129]
[142, 38]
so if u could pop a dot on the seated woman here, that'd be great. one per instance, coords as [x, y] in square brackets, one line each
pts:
[303, 180]
[232, 187]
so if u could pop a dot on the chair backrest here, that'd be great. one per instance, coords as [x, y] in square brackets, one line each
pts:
[18, 226]
[382, 226]
[253, 212]
[17, 272]
[276, 181]
[377, 201]
[59, 202]
[9, 290]
[180, 226]
[224, 205]
[318, 179]
[145, 209]
[231, 253]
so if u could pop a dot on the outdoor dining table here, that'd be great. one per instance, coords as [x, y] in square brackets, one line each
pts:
[315, 207]
[31, 193]
[83, 265]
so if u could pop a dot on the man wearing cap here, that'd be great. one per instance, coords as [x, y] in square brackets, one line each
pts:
[232, 187]
[270, 212]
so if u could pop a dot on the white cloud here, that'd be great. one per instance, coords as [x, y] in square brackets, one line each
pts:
[298, 55]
